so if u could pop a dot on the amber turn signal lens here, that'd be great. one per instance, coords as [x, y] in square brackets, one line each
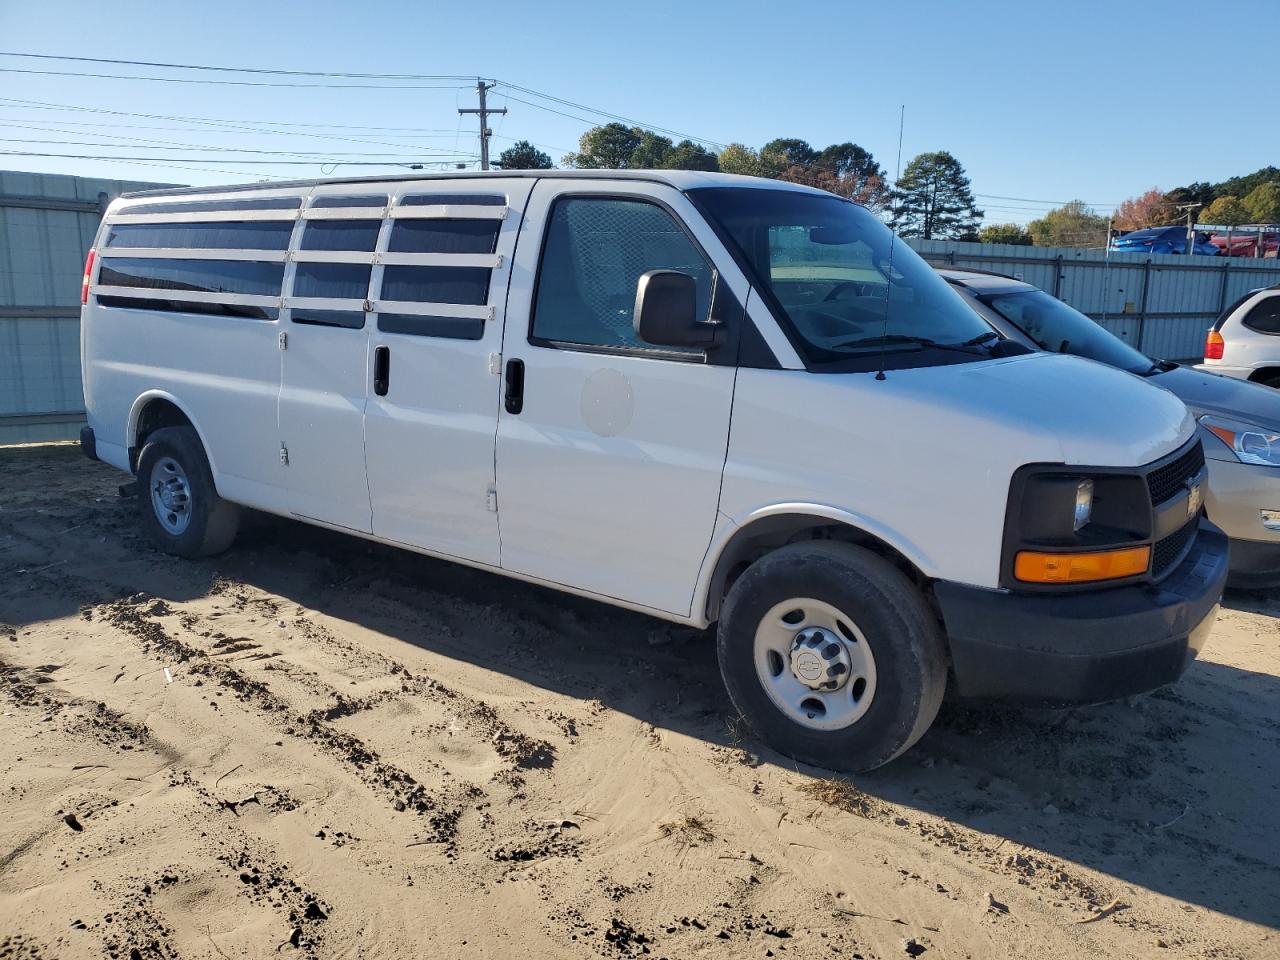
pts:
[1030, 567]
[1214, 345]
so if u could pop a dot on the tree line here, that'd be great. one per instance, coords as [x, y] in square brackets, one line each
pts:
[932, 199]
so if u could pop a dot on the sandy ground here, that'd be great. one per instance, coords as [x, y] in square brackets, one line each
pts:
[316, 746]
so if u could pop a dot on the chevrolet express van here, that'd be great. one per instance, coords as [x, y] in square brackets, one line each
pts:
[712, 399]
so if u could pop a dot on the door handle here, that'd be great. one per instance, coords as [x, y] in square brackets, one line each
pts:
[381, 370]
[514, 396]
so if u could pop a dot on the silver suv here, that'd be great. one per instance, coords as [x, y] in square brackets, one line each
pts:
[1245, 342]
[1239, 422]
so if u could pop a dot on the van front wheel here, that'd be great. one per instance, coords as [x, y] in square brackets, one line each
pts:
[179, 507]
[832, 655]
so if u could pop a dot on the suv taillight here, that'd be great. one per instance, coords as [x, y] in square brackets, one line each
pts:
[1213, 345]
[88, 272]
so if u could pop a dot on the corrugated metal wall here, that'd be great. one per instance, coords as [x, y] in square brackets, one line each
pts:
[1162, 304]
[47, 222]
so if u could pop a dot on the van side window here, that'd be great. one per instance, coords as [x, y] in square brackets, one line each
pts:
[1265, 316]
[444, 236]
[339, 281]
[206, 276]
[596, 250]
[354, 235]
[257, 235]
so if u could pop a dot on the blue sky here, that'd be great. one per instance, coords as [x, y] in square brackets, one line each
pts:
[1042, 101]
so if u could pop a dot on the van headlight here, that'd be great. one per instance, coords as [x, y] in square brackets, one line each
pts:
[1250, 442]
[1066, 527]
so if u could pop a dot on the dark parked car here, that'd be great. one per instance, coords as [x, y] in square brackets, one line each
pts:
[1162, 240]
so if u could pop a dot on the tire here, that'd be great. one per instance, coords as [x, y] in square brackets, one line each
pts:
[1273, 381]
[889, 641]
[178, 505]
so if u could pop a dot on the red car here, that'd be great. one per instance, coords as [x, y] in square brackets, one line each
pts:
[1245, 242]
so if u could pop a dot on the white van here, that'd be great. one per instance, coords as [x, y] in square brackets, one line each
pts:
[707, 398]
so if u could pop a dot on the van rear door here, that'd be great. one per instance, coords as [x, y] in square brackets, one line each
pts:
[439, 298]
[610, 451]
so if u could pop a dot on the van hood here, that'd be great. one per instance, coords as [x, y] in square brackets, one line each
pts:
[1057, 408]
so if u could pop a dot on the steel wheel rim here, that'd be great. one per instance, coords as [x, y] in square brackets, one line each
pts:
[789, 662]
[171, 496]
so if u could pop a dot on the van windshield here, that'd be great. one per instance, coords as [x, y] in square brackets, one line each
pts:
[825, 264]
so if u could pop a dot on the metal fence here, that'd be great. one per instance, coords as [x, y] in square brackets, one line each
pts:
[47, 223]
[1161, 304]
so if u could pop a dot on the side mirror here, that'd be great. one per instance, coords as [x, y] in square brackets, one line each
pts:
[666, 311]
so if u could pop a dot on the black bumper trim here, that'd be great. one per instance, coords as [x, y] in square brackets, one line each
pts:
[1084, 647]
[88, 443]
[1255, 564]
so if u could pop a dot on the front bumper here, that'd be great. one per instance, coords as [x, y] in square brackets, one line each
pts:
[1235, 497]
[1089, 646]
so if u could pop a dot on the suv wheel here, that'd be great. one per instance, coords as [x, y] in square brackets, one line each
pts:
[180, 509]
[832, 655]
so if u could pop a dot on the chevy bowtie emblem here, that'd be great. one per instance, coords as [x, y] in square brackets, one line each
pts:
[1194, 495]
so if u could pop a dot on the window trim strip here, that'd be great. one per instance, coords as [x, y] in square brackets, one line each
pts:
[465, 311]
[193, 296]
[487, 261]
[344, 213]
[447, 211]
[212, 216]
[333, 256]
[193, 253]
[325, 303]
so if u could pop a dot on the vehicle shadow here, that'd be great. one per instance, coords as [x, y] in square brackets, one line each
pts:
[1172, 791]
[1176, 791]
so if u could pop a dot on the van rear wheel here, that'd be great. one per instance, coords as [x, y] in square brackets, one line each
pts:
[832, 655]
[179, 507]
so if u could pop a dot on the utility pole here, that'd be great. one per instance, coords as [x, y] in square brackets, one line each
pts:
[1191, 209]
[485, 133]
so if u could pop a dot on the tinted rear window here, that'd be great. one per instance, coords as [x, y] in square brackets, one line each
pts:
[468, 285]
[445, 236]
[354, 235]
[208, 276]
[259, 235]
[1265, 315]
[346, 281]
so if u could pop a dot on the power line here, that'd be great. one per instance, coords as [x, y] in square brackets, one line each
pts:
[236, 83]
[603, 113]
[1056, 203]
[43, 105]
[274, 71]
[411, 164]
[18, 122]
[315, 157]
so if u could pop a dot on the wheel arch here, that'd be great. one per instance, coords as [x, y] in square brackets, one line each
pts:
[769, 528]
[1263, 374]
[155, 409]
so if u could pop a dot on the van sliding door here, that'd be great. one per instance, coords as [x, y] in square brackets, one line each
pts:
[440, 291]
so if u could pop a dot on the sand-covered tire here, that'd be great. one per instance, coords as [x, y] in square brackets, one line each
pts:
[832, 655]
[178, 505]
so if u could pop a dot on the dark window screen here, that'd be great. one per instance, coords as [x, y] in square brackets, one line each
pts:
[436, 284]
[364, 200]
[595, 253]
[257, 235]
[352, 319]
[462, 199]
[452, 328]
[1265, 316]
[241, 310]
[210, 276]
[211, 206]
[348, 281]
[354, 235]
[445, 236]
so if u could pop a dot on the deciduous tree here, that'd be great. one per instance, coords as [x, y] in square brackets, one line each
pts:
[1072, 225]
[741, 159]
[523, 155]
[1149, 209]
[1263, 203]
[608, 147]
[687, 155]
[1225, 212]
[1004, 233]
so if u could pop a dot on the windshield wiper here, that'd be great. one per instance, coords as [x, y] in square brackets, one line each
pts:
[894, 339]
[981, 338]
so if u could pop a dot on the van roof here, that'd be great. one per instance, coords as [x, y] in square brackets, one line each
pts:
[680, 179]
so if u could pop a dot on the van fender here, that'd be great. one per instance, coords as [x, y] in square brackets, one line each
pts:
[135, 415]
[732, 534]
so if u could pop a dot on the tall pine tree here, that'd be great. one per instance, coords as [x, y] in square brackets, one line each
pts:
[933, 200]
